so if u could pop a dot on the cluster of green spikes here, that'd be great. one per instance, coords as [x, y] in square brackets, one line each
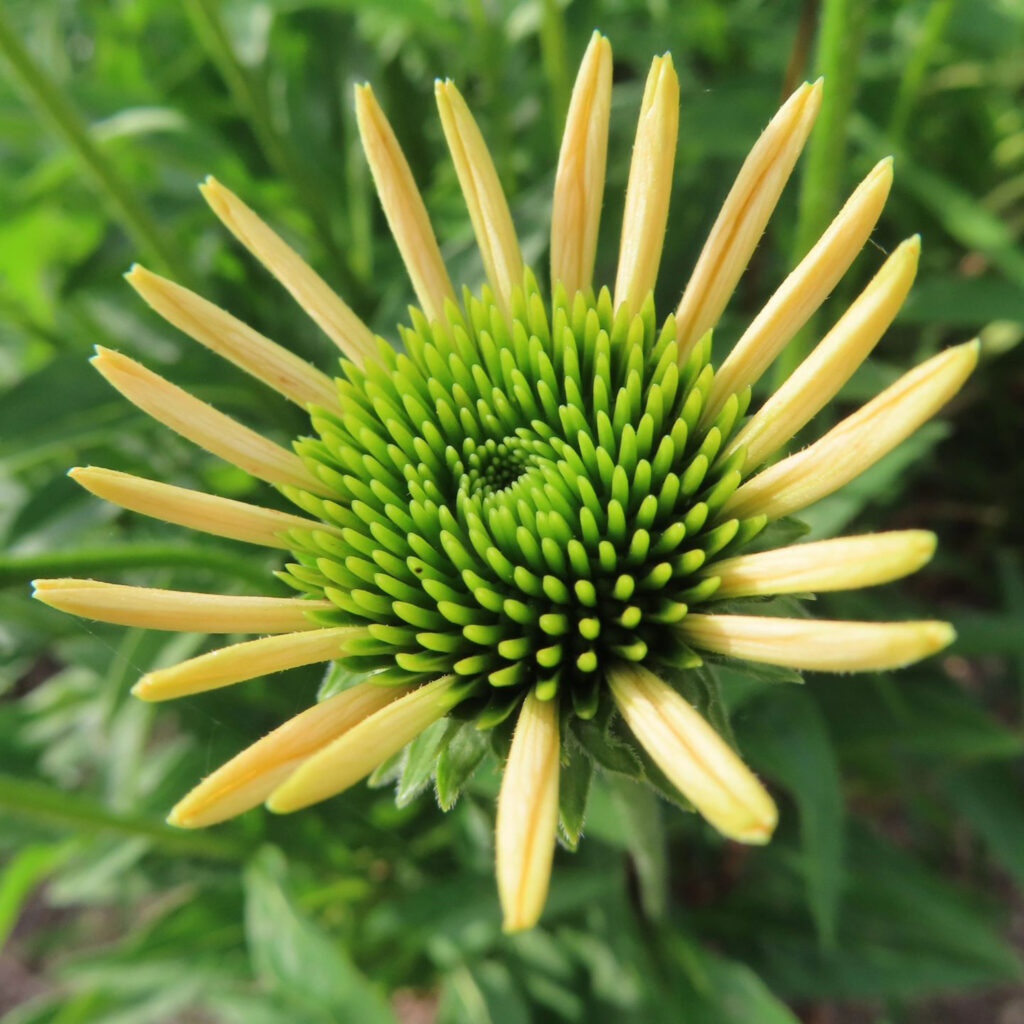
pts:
[520, 500]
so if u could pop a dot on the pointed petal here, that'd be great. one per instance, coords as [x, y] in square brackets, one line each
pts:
[249, 660]
[177, 610]
[308, 289]
[857, 442]
[250, 777]
[403, 207]
[202, 424]
[528, 815]
[744, 216]
[219, 331]
[844, 563]
[650, 186]
[819, 378]
[356, 754]
[803, 291]
[488, 208]
[579, 181]
[222, 517]
[817, 645]
[696, 760]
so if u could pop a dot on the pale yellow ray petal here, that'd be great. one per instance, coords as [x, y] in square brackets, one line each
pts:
[403, 207]
[367, 745]
[844, 563]
[744, 215]
[202, 424]
[818, 379]
[222, 517]
[250, 777]
[858, 441]
[249, 660]
[308, 289]
[817, 645]
[528, 815]
[485, 199]
[803, 291]
[219, 331]
[579, 180]
[177, 610]
[695, 759]
[650, 186]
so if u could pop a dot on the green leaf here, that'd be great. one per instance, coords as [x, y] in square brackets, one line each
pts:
[786, 738]
[292, 955]
[644, 831]
[873, 718]
[20, 875]
[989, 798]
[721, 991]
[482, 993]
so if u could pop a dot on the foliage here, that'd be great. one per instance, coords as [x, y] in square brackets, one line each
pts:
[896, 864]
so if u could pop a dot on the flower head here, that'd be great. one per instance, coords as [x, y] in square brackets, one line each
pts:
[524, 520]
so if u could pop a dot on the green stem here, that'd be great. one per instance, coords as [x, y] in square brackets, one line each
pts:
[18, 570]
[555, 57]
[838, 53]
[249, 94]
[37, 802]
[52, 102]
[931, 32]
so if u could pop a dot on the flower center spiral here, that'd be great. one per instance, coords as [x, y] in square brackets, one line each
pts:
[520, 501]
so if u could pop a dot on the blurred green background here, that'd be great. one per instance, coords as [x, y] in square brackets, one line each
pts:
[892, 892]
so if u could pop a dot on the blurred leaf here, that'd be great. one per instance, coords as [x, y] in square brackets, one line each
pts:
[786, 738]
[724, 992]
[20, 876]
[990, 798]
[40, 803]
[644, 832]
[293, 956]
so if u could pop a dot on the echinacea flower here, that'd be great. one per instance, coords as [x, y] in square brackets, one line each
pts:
[525, 522]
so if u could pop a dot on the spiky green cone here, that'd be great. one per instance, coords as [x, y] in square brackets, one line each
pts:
[523, 500]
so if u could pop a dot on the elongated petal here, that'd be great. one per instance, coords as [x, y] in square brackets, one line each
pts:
[358, 752]
[857, 442]
[177, 610]
[249, 778]
[528, 815]
[696, 760]
[818, 379]
[844, 563]
[744, 214]
[195, 510]
[803, 291]
[403, 206]
[579, 180]
[202, 424]
[488, 208]
[308, 289]
[650, 186]
[249, 660]
[817, 645]
[218, 330]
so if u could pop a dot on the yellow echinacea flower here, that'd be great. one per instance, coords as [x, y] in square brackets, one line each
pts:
[523, 520]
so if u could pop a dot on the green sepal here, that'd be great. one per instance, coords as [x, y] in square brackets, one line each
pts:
[461, 753]
[577, 773]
